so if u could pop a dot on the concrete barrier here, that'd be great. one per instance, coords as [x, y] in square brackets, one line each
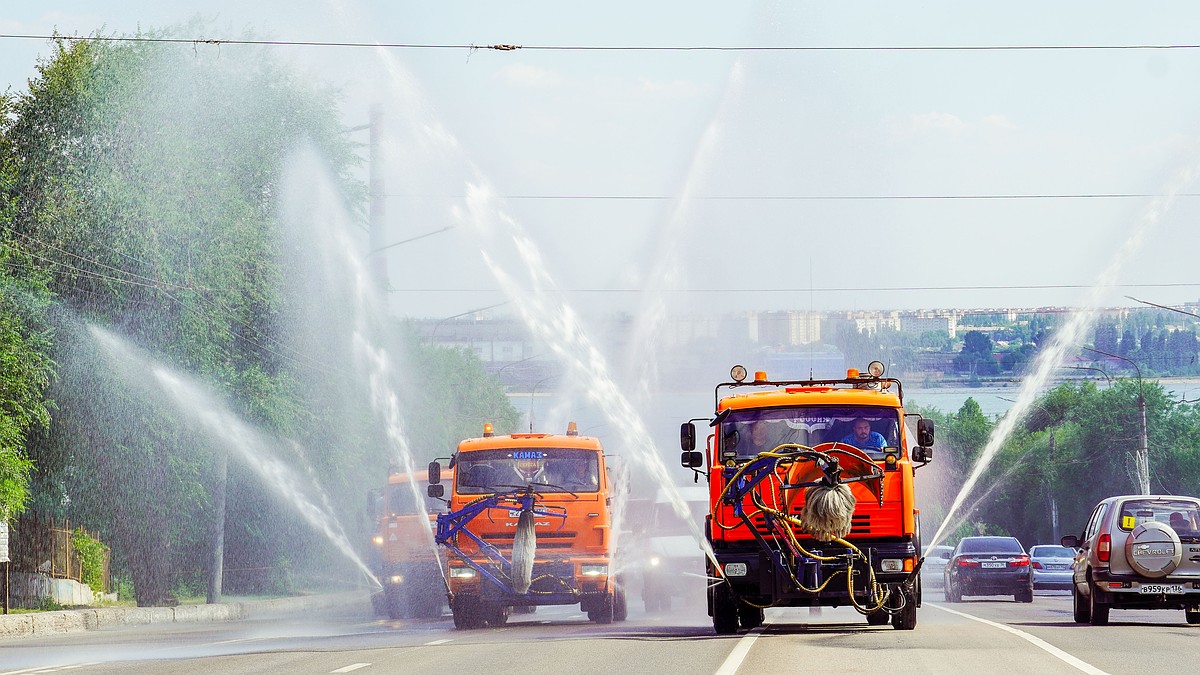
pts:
[68, 620]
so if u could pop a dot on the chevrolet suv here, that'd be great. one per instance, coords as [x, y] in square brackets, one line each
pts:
[1138, 551]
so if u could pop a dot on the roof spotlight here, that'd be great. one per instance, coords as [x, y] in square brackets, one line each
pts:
[875, 368]
[738, 373]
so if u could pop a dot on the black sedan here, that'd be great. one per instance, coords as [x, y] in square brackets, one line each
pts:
[989, 566]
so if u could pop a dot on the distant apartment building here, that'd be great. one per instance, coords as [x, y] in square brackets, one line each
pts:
[918, 323]
[781, 329]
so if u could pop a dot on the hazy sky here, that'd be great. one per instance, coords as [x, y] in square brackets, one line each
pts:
[833, 179]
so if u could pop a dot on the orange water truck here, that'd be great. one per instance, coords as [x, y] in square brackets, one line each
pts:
[529, 524]
[811, 488]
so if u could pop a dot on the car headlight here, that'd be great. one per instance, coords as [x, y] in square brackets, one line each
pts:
[462, 573]
[378, 539]
[397, 579]
[654, 561]
[593, 570]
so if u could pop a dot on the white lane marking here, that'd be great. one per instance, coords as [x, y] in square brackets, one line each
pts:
[735, 658]
[1033, 640]
[438, 642]
[352, 666]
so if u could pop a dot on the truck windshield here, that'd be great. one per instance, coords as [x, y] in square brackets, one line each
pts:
[745, 433]
[546, 469]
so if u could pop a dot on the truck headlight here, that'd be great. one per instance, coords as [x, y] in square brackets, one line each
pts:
[891, 565]
[593, 570]
[654, 561]
[735, 569]
[462, 573]
[378, 539]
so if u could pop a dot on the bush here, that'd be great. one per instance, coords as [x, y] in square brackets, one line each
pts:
[92, 555]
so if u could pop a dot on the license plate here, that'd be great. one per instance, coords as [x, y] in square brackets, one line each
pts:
[1159, 589]
[993, 565]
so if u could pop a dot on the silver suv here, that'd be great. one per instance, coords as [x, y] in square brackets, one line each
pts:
[1138, 552]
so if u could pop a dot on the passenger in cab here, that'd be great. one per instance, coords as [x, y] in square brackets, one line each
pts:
[863, 438]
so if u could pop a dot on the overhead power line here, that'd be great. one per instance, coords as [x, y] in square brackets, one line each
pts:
[848, 197]
[846, 289]
[502, 47]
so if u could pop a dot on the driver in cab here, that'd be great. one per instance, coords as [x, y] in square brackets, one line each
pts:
[863, 438]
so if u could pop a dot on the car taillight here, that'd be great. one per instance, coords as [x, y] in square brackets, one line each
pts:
[1104, 547]
[1023, 561]
[1036, 565]
[964, 562]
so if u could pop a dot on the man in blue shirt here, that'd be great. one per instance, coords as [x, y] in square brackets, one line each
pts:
[863, 438]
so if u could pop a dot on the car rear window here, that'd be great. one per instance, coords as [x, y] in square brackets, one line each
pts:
[1180, 515]
[990, 545]
[1051, 552]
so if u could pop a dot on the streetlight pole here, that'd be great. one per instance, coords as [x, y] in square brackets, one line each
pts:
[1142, 459]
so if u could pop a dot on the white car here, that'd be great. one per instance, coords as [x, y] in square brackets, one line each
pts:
[936, 558]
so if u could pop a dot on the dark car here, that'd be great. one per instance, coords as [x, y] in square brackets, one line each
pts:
[989, 566]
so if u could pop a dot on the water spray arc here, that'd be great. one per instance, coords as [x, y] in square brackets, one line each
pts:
[214, 417]
[1065, 340]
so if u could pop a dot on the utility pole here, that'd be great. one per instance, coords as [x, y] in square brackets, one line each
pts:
[1054, 536]
[1141, 460]
[217, 568]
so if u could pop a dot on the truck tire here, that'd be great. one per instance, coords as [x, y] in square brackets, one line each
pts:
[620, 606]
[879, 618]
[496, 615]
[724, 610]
[467, 612]
[1191, 615]
[749, 616]
[906, 618]
[602, 611]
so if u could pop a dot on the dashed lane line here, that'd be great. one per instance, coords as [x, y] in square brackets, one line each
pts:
[351, 667]
[1032, 639]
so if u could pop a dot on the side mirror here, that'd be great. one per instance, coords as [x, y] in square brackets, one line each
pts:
[435, 473]
[687, 437]
[925, 433]
[922, 454]
[691, 459]
[1070, 541]
[436, 491]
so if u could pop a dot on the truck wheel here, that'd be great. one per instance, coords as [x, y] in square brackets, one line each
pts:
[878, 618]
[749, 616]
[602, 611]
[467, 613]
[397, 608]
[724, 610]
[497, 615]
[906, 619]
[1192, 615]
[620, 606]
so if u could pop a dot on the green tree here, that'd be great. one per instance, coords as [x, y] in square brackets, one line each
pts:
[976, 357]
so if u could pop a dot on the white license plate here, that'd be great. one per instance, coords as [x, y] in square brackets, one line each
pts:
[1159, 589]
[993, 565]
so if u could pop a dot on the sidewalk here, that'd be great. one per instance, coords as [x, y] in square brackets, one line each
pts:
[69, 620]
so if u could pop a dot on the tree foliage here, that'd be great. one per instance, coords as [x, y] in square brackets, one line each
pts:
[146, 179]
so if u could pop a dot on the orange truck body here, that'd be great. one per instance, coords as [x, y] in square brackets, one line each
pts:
[760, 562]
[405, 559]
[571, 564]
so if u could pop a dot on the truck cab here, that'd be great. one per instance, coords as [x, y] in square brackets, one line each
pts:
[403, 554]
[529, 524]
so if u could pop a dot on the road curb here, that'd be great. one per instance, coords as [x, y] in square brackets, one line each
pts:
[72, 620]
